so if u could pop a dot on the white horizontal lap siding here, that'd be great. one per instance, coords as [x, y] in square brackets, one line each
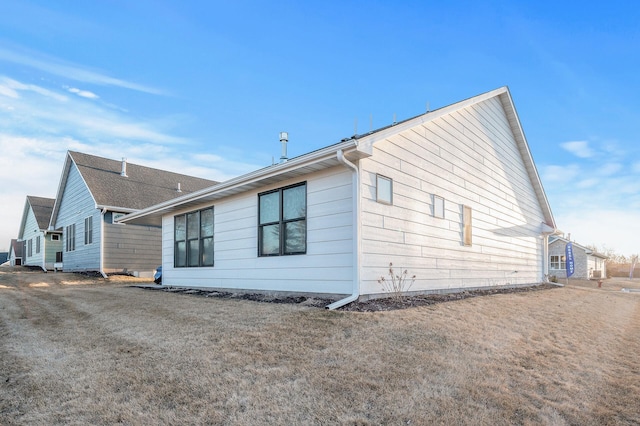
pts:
[76, 205]
[469, 158]
[325, 268]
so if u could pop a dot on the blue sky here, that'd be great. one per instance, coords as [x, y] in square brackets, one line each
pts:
[204, 88]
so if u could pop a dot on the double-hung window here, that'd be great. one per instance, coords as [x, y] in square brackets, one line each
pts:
[30, 247]
[282, 224]
[71, 237]
[193, 239]
[558, 262]
[88, 230]
[38, 244]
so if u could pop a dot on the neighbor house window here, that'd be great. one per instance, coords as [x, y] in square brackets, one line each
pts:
[193, 239]
[71, 237]
[558, 262]
[88, 230]
[282, 223]
[30, 247]
[55, 237]
[466, 225]
[37, 244]
[438, 207]
[384, 189]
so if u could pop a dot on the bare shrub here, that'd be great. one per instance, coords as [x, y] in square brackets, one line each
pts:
[397, 284]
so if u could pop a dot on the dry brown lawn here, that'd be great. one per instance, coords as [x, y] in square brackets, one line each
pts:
[75, 350]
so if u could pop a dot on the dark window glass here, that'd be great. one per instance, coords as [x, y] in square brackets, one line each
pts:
[282, 227]
[193, 237]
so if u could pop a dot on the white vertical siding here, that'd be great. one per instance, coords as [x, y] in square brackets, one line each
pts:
[76, 204]
[470, 158]
[325, 268]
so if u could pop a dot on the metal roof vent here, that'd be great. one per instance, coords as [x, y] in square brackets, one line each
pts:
[179, 190]
[284, 138]
[124, 167]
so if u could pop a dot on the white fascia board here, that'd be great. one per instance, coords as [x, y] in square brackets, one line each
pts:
[249, 178]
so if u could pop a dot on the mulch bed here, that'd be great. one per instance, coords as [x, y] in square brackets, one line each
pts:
[372, 305]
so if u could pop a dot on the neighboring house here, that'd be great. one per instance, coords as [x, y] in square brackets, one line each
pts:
[452, 196]
[588, 264]
[15, 253]
[93, 191]
[39, 243]
[4, 256]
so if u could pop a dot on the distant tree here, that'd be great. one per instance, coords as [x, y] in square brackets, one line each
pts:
[634, 261]
[612, 256]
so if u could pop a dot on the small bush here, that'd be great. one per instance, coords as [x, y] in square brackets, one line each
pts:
[397, 284]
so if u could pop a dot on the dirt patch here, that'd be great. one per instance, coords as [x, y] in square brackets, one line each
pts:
[372, 305]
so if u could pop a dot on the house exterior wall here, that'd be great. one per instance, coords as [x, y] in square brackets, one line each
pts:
[31, 232]
[327, 266]
[469, 158]
[132, 248]
[580, 260]
[76, 204]
[51, 247]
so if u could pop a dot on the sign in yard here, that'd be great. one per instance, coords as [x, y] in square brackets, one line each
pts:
[568, 251]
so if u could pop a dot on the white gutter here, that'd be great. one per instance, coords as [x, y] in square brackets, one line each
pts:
[546, 232]
[355, 182]
[102, 212]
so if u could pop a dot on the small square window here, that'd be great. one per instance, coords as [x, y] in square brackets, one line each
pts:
[384, 189]
[438, 207]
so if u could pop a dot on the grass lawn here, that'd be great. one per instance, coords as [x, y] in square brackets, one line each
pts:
[83, 351]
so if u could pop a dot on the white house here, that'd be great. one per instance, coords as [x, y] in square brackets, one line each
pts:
[93, 191]
[15, 252]
[39, 243]
[588, 264]
[452, 195]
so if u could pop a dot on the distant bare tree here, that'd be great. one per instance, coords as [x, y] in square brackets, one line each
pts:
[634, 261]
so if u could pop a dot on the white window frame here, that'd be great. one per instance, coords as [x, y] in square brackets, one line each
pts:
[381, 195]
[438, 206]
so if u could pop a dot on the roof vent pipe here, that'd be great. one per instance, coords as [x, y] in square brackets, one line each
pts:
[284, 138]
[124, 167]
[179, 190]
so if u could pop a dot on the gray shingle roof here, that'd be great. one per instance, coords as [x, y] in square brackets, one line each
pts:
[142, 187]
[42, 209]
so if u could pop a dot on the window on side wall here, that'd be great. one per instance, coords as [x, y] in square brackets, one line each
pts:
[466, 225]
[71, 237]
[88, 230]
[38, 244]
[384, 189]
[30, 247]
[282, 221]
[55, 237]
[193, 239]
[558, 262]
[438, 207]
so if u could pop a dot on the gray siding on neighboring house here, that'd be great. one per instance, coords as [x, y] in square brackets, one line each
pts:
[76, 204]
[132, 248]
[469, 158]
[586, 266]
[52, 247]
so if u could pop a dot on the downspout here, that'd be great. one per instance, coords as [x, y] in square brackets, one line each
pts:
[545, 261]
[43, 250]
[102, 212]
[355, 182]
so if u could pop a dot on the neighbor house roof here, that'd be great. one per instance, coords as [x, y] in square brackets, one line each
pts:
[41, 207]
[141, 187]
[587, 250]
[16, 246]
[355, 147]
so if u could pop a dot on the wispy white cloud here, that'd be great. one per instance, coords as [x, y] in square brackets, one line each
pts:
[59, 67]
[11, 88]
[83, 93]
[554, 174]
[578, 148]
